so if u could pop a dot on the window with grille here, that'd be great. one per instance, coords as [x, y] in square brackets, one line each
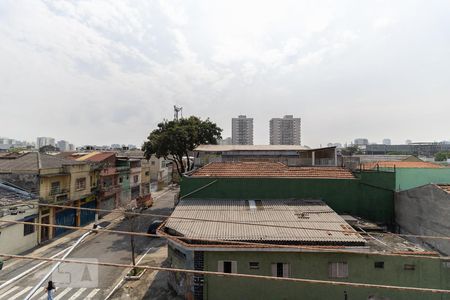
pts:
[28, 228]
[338, 270]
[80, 183]
[253, 265]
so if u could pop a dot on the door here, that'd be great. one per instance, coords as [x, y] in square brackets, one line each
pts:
[87, 216]
[45, 229]
[65, 217]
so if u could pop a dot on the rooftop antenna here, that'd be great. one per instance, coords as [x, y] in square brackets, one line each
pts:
[176, 110]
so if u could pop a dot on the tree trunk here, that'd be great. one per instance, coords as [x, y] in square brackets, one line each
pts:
[188, 163]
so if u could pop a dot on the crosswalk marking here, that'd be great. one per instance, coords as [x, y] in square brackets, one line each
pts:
[78, 293]
[15, 296]
[19, 292]
[9, 292]
[92, 294]
[60, 295]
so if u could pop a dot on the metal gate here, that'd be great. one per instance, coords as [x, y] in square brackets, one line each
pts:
[108, 204]
[87, 216]
[65, 217]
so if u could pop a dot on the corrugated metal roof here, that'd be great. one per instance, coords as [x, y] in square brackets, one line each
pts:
[401, 164]
[269, 169]
[291, 215]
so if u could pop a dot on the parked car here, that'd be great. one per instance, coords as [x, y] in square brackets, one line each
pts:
[154, 226]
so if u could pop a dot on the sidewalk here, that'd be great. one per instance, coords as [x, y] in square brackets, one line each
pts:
[58, 244]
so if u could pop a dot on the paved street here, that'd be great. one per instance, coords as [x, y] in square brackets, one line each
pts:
[104, 247]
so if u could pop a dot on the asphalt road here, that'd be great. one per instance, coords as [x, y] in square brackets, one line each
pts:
[87, 281]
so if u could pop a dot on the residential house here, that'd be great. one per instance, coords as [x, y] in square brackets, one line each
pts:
[17, 204]
[57, 181]
[290, 238]
[109, 189]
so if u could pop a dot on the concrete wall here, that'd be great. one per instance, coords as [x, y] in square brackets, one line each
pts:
[12, 238]
[425, 210]
[430, 273]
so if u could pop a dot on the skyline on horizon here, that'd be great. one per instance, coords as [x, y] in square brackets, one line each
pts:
[105, 72]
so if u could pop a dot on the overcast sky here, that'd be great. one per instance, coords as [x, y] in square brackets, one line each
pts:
[102, 72]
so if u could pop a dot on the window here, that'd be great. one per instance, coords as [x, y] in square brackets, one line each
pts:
[28, 228]
[153, 163]
[338, 270]
[80, 183]
[253, 265]
[120, 179]
[147, 173]
[379, 265]
[280, 270]
[55, 189]
[136, 178]
[227, 266]
[409, 267]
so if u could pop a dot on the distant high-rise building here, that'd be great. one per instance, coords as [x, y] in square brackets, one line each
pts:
[361, 142]
[225, 141]
[386, 141]
[44, 141]
[242, 130]
[71, 147]
[285, 131]
[63, 145]
[407, 142]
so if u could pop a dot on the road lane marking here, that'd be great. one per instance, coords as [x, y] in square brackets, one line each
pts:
[9, 292]
[92, 294]
[25, 290]
[78, 293]
[65, 291]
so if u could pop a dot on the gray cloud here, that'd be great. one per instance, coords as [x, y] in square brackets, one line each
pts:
[109, 71]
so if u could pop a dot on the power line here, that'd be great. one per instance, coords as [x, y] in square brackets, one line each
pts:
[237, 275]
[331, 249]
[245, 223]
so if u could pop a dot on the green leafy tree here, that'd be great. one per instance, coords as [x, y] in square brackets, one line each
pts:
[441, 156]
[175, 139]
[350, 150]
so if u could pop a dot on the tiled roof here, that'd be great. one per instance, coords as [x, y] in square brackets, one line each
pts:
[295, 221]
[445, 187]
[401, 164]
[30, 162]
[269, 169]
[10, 194]
[96, 156]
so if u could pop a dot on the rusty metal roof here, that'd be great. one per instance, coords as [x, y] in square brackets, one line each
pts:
[294, 221]
[445, 187]
[269, 169]
[401, 164]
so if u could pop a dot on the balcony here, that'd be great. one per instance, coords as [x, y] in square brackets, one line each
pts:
[58, 191]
